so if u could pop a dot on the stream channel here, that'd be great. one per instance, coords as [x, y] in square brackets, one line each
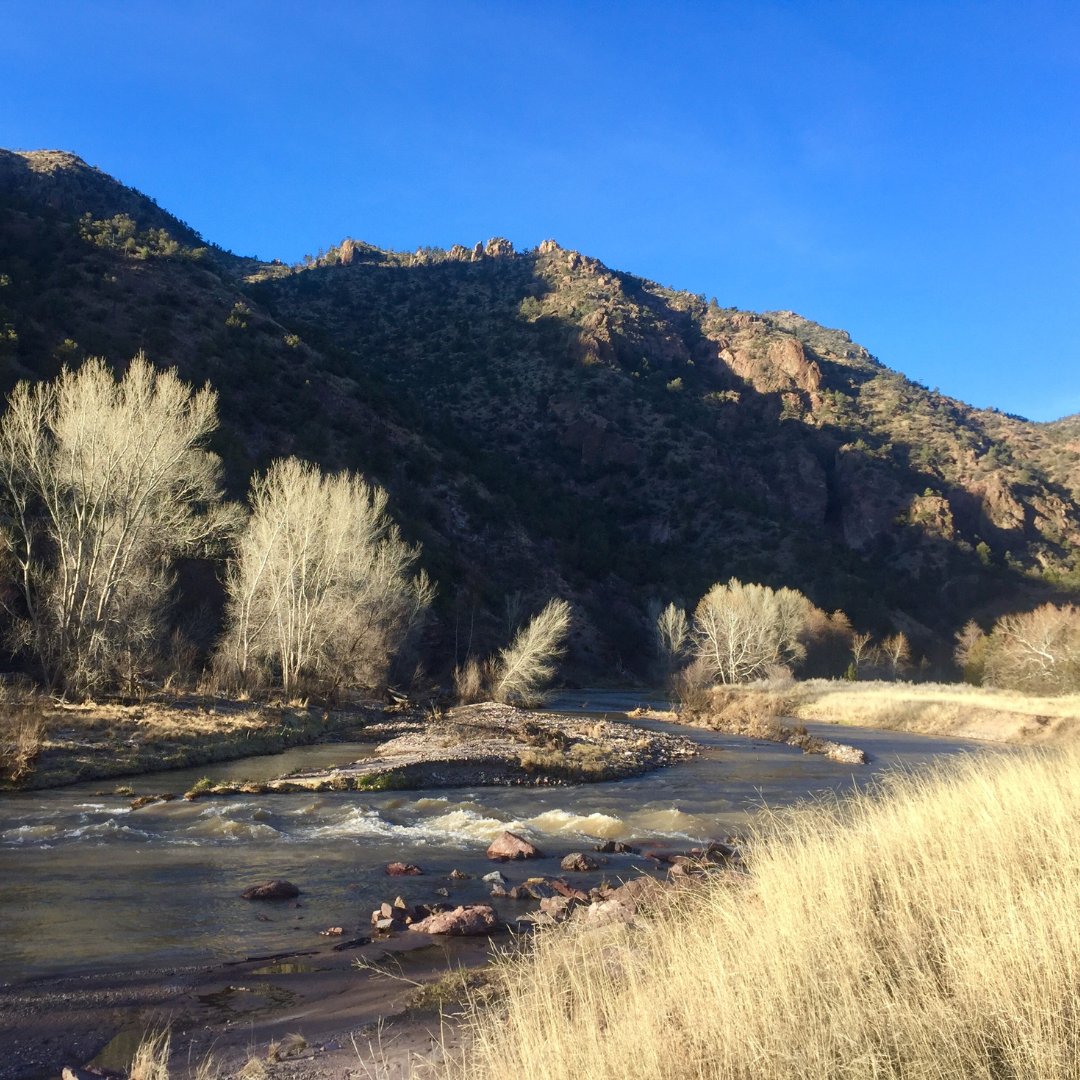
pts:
[88, 885]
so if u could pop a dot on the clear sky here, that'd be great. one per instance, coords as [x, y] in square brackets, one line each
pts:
[907, 170]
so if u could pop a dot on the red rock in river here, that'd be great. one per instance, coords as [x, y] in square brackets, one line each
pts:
[276, 889]
[402, 869]
[509, 845]
[462, 921]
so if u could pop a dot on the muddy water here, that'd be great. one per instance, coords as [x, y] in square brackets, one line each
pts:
[88, 884]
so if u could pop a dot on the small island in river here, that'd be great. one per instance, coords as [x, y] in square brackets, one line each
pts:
[485, 744]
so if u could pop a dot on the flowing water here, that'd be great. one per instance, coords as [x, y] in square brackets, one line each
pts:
[88, 884]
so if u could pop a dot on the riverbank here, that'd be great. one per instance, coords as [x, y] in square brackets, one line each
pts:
[99, 741]
[918, 933]
[484, 744]
[957, 710]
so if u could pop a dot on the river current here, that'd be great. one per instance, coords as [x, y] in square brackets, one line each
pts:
[87, 884]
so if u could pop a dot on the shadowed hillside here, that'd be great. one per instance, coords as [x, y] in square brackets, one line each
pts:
[545, 424]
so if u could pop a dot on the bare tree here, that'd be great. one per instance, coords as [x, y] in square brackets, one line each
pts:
[895, 652]
[104, 483]
[862, 651]
[672, 635]
[321, 590]
[742, 632]
[1036, 650]
[527, 662]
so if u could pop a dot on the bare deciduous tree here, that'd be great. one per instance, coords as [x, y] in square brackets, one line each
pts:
[527, 662]
[742, 632]
[895, 652]
[321, 590]
[104, 484]
[1036, 650]
[862, 650]
[672, 635]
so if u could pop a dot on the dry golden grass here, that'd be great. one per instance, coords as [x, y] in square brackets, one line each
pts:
[974, 712]
[928, 932]
[151, 1059]
[22, 734]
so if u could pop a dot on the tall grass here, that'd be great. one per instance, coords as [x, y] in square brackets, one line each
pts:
[22, 733]
[927, 931]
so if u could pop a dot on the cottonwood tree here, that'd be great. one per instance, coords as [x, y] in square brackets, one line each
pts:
[104, 483]
[862, 651]
[742, 631]
[1036, 650]
[321, 591]
[895, 652]
[672, 632]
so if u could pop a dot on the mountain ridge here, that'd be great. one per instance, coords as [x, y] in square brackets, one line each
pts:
[547, 424]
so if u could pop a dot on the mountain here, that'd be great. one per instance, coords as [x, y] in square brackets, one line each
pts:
[546, 424]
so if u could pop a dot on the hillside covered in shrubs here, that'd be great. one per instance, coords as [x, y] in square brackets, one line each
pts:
[544, 425]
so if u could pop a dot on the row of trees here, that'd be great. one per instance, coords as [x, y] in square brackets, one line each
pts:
[1036, 651]
[741, 632]
[105, 484]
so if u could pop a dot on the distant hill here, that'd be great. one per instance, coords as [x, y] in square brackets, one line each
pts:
[547, 424]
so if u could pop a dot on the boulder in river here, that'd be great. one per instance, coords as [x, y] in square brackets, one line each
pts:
[402, 869]
[579, 862]
[621, 905]
[275, 889]
[617, 847]
[508, 845]
[462, 921]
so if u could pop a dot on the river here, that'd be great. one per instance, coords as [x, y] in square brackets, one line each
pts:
[87, 884]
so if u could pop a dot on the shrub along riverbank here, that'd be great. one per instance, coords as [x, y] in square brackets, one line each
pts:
[923, 932]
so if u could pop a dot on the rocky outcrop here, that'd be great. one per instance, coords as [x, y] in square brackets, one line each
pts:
[402, 869]
[870, 498]
[1001, 509]
[933, 515]
[346, 252]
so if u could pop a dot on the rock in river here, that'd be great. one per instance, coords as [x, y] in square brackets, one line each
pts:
[508, 845]
[276, 889]
[579, 862]
[402, 869]
[474, 919]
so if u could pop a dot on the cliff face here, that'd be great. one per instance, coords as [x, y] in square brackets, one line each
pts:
[547, 424]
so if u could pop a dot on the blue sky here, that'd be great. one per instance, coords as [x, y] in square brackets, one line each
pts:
[909, 171]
